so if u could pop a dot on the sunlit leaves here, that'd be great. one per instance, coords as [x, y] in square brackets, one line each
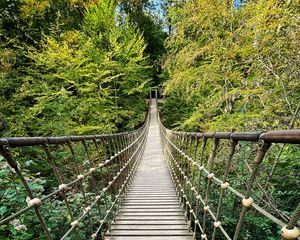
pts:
[33, 7]
[82, 82]
[233, 67]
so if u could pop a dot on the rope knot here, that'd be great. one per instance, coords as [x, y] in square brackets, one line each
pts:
[87, 209]
[210, 176]
[203, 236]
[74, 223]
[80, 177]
[62, 187]
[34, 202]
[224, 185]
[217, 224]
[247, 202]
[290, 233]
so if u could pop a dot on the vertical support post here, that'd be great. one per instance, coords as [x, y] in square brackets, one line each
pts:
[260, 154]
[6, 153]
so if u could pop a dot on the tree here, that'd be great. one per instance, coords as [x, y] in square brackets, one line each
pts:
[80, 82]
[232, 68]
[143, 16]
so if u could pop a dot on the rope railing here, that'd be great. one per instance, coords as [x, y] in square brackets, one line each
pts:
[217, 176]
[91, 174]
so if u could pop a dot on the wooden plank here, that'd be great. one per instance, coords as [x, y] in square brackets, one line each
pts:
[149, 227]
[159, 186]
[151, 191]
[171, 199]
[158, 204]
[144, 198]
[160, 193]
[177, 206]
[145, 210]
[148, 238]
[151, 222]
[151, 209]
[141, 191]
[151, 197]
[127, 214]
[166, 232]
[161, 217]
[151, 201]
[167, 187]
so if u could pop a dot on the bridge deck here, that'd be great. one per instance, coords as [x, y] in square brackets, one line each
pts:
[151, 209]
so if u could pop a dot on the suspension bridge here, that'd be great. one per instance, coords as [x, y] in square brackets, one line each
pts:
[152, 183]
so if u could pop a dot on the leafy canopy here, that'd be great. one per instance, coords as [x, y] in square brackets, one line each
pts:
[232, 68]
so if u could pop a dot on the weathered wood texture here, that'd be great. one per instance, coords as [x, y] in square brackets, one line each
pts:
[151, 209]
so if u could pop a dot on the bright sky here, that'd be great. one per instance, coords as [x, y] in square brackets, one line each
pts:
[158, 9]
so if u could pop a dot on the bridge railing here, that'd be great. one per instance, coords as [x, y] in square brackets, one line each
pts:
[86, 178]
[229, 182]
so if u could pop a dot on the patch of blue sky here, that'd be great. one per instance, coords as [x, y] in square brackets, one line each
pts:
[237, 3]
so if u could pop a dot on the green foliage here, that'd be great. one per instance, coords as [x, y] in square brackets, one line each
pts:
[277, 197]
[141, 14]
[238, 69]
[232, 69]
[78, 82]
[42, 181]
[69, 67]
[28, 20]
[94, 24]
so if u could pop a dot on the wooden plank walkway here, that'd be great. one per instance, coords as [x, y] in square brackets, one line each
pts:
[151, 209]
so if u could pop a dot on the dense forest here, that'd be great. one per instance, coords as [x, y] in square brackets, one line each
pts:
[233, 68]
[84, 67]
[76, 67]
